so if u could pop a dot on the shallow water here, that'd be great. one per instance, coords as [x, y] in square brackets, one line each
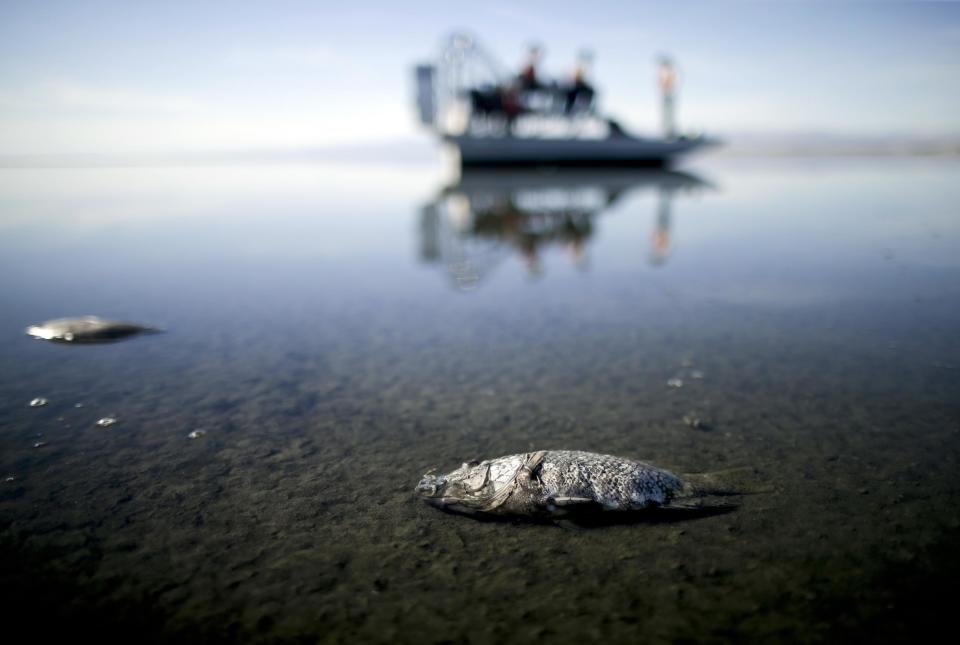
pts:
[339, 330]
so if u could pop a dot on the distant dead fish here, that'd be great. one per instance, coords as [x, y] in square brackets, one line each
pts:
[86, 329]
[558, 482]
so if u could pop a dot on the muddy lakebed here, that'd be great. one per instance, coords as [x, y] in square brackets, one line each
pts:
[331, 333]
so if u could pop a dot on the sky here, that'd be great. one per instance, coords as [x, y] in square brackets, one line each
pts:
[112, 77]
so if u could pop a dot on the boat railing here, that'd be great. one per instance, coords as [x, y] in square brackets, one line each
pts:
[497, 108]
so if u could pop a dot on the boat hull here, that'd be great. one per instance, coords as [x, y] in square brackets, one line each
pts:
[614, 151]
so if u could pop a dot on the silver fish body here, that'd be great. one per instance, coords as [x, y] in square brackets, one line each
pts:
[551, 482]
[86, 329]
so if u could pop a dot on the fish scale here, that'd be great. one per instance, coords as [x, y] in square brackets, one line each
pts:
[611, 481]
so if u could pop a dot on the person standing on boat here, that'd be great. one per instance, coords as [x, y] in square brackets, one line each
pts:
[580, 91]
[667, 80]
[510, 103]
[528, 73]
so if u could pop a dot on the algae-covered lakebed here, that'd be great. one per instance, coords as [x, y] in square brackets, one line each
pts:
[336, 331]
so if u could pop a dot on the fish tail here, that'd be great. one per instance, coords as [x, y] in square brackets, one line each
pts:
[734, 481]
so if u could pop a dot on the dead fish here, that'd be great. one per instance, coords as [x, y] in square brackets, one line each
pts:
[556, 482]
[86, 329]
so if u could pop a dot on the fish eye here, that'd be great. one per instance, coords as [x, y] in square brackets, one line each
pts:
[429, 490]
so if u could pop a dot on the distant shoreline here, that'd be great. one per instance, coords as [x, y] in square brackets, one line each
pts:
[423, 150]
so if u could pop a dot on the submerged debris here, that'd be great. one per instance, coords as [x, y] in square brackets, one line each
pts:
[196, 434]
[40, 444]
[675, 382]
[38, 402]
[694, 421]
[696, 374]
[10, 478]
[106, 422]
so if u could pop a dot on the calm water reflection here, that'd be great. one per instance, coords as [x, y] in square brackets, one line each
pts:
[314, 335]
[487, 216]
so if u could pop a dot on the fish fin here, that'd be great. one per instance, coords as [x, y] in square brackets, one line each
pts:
[734, 481]
[699, 504]
[533, 461]
[571, 501]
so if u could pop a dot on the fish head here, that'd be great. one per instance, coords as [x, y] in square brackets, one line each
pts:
[464, 490]
[43, 332]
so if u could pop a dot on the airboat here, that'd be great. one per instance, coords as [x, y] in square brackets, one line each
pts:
[490, 118]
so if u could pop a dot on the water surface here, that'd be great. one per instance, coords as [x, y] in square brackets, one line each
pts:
[338, 330]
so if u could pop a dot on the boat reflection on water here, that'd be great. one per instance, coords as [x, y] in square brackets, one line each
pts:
[489, 215]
